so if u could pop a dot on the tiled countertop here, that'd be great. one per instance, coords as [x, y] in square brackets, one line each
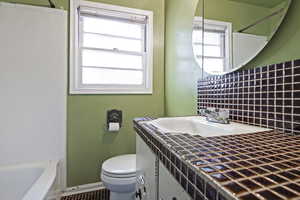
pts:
[264, 165]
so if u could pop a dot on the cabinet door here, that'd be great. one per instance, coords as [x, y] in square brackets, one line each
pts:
[169, 188]
[147, 163]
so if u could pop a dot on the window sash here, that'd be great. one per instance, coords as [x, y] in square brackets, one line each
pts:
[143, 54]
[143, 33]
[222, 45]
[114, 68]
[221, 53]
[118, 71]
[117, 40]
[112, 14]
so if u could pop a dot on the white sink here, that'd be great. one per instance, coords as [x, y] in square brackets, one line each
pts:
[197, 125]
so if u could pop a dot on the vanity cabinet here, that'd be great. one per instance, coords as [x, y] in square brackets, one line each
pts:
[146, 164]
[169, 188]
[159, 184]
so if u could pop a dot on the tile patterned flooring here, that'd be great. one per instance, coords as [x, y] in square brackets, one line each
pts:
[93, 195]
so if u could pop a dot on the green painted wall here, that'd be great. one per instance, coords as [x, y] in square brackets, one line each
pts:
[264, 3]
[88, 144]
[181, 70]
[277, 20]
[60, 3]
[285, 44]
[239, 14]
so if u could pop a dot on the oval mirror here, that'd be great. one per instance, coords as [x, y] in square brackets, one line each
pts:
[235, 31]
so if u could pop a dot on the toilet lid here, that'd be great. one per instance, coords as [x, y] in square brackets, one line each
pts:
[120, 165]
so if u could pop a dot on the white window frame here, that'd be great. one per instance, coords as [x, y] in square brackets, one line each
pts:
[228, 39]
[75, 85]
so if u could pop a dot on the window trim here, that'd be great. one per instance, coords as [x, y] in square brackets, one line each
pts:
[228, 40]
[75, 86]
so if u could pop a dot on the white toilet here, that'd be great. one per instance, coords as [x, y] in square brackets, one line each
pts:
[118, 174]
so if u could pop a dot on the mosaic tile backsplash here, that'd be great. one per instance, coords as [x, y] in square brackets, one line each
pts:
[267, 96]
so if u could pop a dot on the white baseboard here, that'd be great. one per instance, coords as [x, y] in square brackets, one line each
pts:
[83, 188]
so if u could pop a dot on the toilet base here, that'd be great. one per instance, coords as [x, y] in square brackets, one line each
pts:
[121, 196]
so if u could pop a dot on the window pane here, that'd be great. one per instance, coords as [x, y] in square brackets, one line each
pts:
[197, 49]
[104, 42]
[112, 27]
[108, 76]
[213, 66]
[111, 59]
[199, 61]
[197, 36]
[209, 37]
[214, 51]
[212, 38]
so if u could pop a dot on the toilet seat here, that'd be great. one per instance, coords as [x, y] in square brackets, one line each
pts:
[120, 166]
[113, 175]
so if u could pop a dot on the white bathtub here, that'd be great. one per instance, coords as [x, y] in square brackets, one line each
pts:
[27, 181]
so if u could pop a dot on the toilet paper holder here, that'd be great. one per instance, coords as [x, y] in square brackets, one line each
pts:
[114, 116]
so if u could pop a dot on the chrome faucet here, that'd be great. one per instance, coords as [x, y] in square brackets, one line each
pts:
[216, 115]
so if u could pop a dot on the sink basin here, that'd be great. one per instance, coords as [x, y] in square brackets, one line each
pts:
[197, 125]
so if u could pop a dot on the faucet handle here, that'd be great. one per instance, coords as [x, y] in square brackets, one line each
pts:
[202, 111]
[224, 113]
[206, 111]
[212, 109]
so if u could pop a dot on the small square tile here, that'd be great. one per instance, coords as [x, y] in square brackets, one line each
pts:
[220, 177]
[293, 187]
[235, 188]
[221, 197]
[284, 192]
[277, 179]
[250, 184]
[297, 62]
[246, 172]
[268, 195]
[191, 190]
[200, 183]
[249, 197]
[288, 175]
[183, 182]
[199, 196]
[263, 181]
[207, 169]
[233, 175]
[211, 192]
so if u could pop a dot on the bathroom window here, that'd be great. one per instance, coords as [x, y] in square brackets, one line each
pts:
[216, 45]
[111, 49]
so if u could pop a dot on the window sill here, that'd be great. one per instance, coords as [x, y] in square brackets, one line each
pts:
[99, 91]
